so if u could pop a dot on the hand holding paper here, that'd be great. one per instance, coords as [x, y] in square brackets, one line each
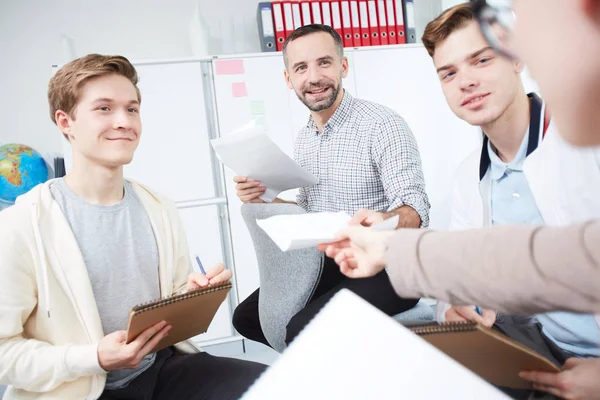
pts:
[253, 154]
[249, 191]
[291, 232]
[359, 251]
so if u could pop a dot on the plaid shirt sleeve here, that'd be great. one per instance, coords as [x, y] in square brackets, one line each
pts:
[396, 155]
[301, 197]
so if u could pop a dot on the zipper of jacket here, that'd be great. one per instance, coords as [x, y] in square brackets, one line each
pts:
[44, 265]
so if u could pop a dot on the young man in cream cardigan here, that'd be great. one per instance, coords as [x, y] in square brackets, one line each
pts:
[80, 251]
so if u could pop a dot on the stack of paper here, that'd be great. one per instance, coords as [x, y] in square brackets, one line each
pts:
[353, 351]
[250, 152]
[298, 231]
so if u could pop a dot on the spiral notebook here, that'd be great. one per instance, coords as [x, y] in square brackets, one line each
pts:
[488, 353]
[189, 314]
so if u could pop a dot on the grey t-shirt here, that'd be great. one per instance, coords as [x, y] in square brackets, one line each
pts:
[121, 255]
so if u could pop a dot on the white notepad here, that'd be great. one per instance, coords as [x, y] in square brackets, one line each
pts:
[299, 231]
[250, 152]
[353, 351]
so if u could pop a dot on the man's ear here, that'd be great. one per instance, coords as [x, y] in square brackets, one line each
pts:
[286, 75]
[519, 66]
[64, 123]
[345, 67]
[591, 10]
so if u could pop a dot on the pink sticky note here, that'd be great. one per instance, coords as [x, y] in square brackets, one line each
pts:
[239, 89]
[229, 67]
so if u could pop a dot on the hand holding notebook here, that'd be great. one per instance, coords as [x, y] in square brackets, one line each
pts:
[189, 314]
[488, 353]
[114, 353]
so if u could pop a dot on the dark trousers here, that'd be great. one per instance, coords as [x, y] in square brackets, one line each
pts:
[530, 334]
[376, 290]
[197, 376]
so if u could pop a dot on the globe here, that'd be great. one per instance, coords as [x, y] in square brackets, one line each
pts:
[21, 169]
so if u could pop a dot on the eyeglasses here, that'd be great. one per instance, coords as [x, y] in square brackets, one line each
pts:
[497, 20]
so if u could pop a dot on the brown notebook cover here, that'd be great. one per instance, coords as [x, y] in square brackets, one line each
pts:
[189, 314]
[490, 354]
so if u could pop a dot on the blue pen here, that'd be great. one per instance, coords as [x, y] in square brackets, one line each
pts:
[200, 265]
[478, 309]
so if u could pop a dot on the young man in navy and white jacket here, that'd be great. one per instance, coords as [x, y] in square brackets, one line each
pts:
[524, 173]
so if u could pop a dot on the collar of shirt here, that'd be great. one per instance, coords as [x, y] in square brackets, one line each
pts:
[498, 167]
[343, 111]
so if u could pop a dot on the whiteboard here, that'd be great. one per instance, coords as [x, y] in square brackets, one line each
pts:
[267, 102]
[203, 235]
[173, 156]
[174, 152]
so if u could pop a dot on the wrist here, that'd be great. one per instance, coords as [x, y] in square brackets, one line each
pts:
[83, 360]
[409, 217]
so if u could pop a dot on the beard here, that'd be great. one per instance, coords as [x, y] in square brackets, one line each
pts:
[323, 103]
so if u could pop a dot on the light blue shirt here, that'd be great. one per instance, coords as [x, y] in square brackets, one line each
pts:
[511, 203]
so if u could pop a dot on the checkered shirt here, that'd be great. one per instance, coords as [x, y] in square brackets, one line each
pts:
[365, 157]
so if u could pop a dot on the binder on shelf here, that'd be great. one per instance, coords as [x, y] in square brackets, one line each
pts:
[383, 24]
[296, 14]
[409, 21]
[266, 29]
[288, 18]
[391, 21]
[305, 6]
[344, 7]
[365, 32]
[279, 24]
[373, 23]
[327, 14]
[401, 31]
[354, 15]
[316, 12]
[336, 18]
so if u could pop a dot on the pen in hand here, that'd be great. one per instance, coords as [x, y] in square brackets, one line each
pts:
[213, 276]
[200, 265]
[196, 280]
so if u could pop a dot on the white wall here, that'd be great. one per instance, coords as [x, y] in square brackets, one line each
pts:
[451, 3]
[30, 43]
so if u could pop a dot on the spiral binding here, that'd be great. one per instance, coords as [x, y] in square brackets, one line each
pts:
[153, 304]
[447, 327]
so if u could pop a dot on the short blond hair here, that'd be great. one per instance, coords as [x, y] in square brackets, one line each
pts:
[445, 24]
[65, 86]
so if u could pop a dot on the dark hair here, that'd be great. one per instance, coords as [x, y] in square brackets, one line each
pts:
[309, 30]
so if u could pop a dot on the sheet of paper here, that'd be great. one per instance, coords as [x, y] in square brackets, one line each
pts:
[353, 351]
[298, 231]
[250, 152]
